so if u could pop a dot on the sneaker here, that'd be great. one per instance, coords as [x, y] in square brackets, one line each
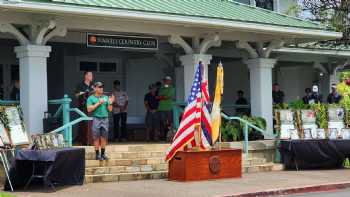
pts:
[98, 157]
[104, 157]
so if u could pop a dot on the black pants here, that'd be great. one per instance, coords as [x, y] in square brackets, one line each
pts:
[119, 121]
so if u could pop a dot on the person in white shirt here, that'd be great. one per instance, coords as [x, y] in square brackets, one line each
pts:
[120, 107]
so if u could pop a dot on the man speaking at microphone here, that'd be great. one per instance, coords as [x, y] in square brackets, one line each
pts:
[100, 105]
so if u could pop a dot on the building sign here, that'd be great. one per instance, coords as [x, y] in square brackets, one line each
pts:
[121, 41]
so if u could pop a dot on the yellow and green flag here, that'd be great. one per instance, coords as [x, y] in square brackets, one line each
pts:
[216, 109]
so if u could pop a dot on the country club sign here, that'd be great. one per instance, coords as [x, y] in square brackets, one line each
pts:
[121, 41]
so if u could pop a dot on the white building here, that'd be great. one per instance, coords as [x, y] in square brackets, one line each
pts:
[45, 42]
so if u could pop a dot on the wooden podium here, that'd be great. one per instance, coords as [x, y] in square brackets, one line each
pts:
[204, 165]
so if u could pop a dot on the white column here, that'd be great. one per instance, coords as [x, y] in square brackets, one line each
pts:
[189, 63]
[33, 84]
[261, 89]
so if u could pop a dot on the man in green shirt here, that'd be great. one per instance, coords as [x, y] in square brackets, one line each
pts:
[100, 105]
[166, 96]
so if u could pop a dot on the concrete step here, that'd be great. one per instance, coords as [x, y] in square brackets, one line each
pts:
[125, 169]
[128, 155]
[125, 162]
[253, 161]
[131, 147]
[125, 177]
[268, 167]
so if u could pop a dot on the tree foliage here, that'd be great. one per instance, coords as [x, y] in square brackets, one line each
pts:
[333, 13]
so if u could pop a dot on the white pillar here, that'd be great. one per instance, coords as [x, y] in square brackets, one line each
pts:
[189, 63]
[261, 89]
[33, 84]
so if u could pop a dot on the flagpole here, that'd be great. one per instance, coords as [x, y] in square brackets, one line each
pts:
[199, 134]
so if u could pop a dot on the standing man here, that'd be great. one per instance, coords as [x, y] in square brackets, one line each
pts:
[99, 105]
[334, 96]
[316, 97]
[151, 105]
[15, 93]
[82, 92]
[307, 96]
[241, 101]
[166, 96]
[277, 94]
[120, 112]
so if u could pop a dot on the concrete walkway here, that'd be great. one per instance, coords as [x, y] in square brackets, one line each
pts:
[250, 183]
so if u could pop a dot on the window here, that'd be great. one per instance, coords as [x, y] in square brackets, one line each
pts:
[88, 66]
[108, 67]
[266, 4]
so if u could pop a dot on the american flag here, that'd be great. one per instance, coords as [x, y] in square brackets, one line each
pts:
[192, 117]
[205, 118]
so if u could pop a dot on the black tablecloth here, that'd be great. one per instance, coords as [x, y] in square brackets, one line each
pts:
[65, 166]
[314, 154]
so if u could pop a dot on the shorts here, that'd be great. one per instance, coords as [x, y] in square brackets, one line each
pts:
[166, 116]
[152, 120]
[100, 127]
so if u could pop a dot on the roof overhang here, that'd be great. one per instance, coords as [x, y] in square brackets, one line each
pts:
[334, 53]
[287, 32]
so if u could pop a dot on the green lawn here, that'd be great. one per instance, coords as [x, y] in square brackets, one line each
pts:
[2, 194]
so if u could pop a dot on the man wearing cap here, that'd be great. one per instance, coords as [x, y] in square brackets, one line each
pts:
[166, 96]
[334, 96]
[100, 105]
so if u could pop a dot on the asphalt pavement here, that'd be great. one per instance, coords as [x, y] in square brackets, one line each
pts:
[337, 193]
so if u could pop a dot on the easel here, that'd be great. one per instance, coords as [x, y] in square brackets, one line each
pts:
[5, 162]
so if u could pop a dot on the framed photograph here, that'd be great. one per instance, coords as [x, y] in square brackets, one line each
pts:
[308, 116]
[54, 140]
[285, 131]
[18, 135]
[43, 142]
[333, 133]
[4, 134]
[1, 142]
[321, 134]
[307, 134]
[294, 135]
[49, 142]
[336, 114]
[60, 140]
[345, 134]
[286, 116]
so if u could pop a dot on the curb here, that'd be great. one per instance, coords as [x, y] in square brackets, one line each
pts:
[296, 190]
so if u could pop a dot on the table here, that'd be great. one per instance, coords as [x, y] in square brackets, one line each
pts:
[314, 154]
[57, 167]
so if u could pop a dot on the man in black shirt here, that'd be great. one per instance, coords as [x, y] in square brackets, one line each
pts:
[277, 94]
[334, 96]
[307, 96]
[241, 101]
[152, 120]
[82, 92]
[15, 93]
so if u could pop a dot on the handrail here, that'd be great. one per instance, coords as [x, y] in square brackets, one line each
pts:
[9, 102]
[177, 110]
[247, 124]
[65, 109]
